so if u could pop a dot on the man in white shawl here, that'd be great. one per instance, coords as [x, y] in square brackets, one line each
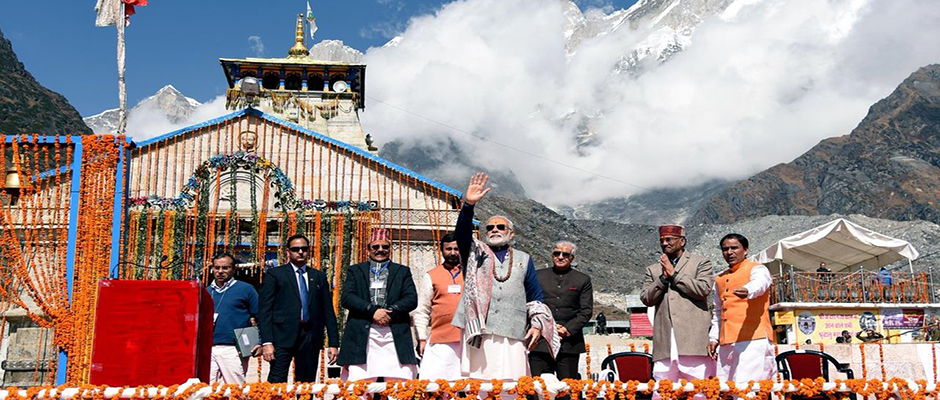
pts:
[501, 310]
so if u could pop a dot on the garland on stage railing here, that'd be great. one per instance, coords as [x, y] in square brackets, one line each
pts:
[524, 388]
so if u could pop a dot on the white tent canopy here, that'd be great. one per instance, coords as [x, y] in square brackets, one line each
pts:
[841, 244]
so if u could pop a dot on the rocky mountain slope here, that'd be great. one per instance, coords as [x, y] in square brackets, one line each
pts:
[887, 167]
[28, 107]
[613, 267]
[765, 231]
[445, 163]
[168, 101]
[656, 207]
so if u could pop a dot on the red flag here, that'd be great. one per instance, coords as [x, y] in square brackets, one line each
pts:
[129, 9]
[109, 11]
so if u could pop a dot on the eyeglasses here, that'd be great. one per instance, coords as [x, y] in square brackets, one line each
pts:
[564, 254]
[668, 239]
[501, 227]
[381, 246]
[298, 249]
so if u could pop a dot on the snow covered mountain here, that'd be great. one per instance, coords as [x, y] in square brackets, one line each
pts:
[167, 101]
[335, 50]
[668, 26]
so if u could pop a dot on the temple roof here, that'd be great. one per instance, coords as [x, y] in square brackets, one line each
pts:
[304, 131]
[288, 61]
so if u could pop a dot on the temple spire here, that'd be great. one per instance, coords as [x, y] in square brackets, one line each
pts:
[299, 50]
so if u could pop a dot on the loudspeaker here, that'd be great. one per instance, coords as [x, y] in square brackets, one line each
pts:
[151, 333]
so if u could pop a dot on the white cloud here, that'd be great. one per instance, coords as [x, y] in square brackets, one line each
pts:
[149, 121]
[256, 45]
[758, 86]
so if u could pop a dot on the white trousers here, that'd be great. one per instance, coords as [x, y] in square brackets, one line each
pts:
[685, 367]
[381, 359]
[441, 361]
[228, 366]
[498, 357]
[751, 360]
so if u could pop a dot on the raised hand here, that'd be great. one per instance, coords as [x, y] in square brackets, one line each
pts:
[476, 189]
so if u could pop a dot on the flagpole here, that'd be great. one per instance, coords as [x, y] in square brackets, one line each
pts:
[122, 89]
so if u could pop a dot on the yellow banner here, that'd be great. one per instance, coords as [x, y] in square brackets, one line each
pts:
[784, 318]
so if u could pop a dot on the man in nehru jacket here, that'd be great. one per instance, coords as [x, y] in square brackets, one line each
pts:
[678, 286]
[741, 334]
[296, 307]
[501, 310]
[570, 296]
[379, 295]
[438, 340]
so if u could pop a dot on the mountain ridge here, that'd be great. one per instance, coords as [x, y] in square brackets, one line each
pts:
[887, 167]
[28, 107]
[168, 100]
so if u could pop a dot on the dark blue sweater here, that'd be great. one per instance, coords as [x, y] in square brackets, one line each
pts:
[235, 306]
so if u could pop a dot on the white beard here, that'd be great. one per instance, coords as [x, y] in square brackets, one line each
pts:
[496, 241]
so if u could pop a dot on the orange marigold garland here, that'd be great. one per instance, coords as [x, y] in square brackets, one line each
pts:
[587, 358]
[93, 250]
[881, 356]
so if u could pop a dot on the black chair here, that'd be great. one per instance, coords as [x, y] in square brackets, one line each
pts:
[630, 366]
[810, 364]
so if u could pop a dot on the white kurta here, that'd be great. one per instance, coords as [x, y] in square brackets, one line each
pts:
[499, 357]
[422, 314]
[685, 367]
[441, 361]
[381, 359]
[751, 359]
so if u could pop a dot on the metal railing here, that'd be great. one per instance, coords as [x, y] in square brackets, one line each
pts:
[853, 287]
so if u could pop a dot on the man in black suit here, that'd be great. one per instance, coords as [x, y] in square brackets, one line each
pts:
[379, 294]
[570, 296]
[295, 308]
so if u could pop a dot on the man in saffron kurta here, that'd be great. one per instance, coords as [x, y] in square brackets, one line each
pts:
[741, 333]
[438, 340]
[678, 285]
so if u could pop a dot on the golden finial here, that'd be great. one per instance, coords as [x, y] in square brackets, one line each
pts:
[299, 50]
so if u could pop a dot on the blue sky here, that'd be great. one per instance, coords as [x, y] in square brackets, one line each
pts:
[179, 42]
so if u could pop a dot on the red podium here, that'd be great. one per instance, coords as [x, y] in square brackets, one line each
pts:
[151, 333]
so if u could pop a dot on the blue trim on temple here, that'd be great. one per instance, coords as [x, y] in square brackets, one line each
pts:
[200, 125]
[308, 132]
[117, 213]
[71, 243]
[43, 139]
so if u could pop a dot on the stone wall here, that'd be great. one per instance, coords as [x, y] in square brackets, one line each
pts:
[27, 353]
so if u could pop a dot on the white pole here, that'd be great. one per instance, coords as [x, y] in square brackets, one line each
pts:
[122, 89]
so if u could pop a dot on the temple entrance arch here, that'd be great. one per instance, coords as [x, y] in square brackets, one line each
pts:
[246, 205]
